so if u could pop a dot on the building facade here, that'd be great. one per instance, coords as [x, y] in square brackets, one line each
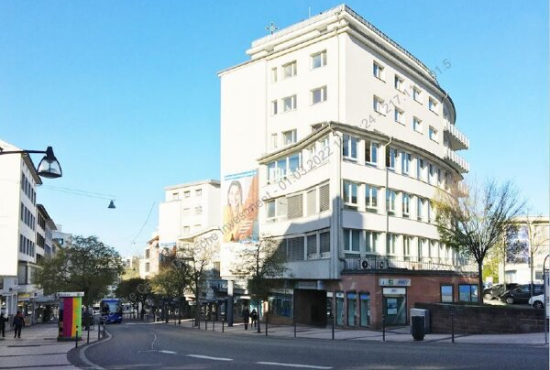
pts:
[341, 139]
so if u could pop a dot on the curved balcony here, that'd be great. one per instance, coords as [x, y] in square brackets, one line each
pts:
[456, 161]
[457, 139]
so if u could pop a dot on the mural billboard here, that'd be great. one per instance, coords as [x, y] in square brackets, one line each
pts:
[240, 207]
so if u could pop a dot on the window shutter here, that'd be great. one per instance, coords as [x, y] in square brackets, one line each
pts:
[324, 198]
[312, 202]
[295, 206]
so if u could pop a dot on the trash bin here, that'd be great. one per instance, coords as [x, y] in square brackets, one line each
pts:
[417, 327]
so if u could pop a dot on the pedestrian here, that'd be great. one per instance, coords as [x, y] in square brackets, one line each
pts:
[254, 316]
[18, 323]
[246, 317]
[142, 312]
[3, 320]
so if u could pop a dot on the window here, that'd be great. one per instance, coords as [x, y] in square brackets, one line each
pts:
[371, 197]
[467, 293]
[420, 208]
[324, 198]
[312, 202]
[398, 115]
[186, 230]
[351, 240]
[319, 95]
[398, 83]
[391, 241]
[420, 166]
[371, 152]
[276, 208]
[446, 293]
[407, 247]
[319, 60]
[390, 201]
[289, 70]
[417, 125]
[349, 150]
[371, 240]
[295, 206]
[377, 104]
[433, 134]
[274, 74]
[295, 249]
[416, 94]
[289, 137]
[378, 71]
[432, 105]
[175, 195]
[187, 194]
[147, 253]
[324, 243]
[289, 103]
[350, 194]
[431, 173]
[406, 204]
[391, 155]
[198, 210]
[198, 192]
[274, 107]
[274, 141]
[311, 245]
[277, 170]
[406, 159]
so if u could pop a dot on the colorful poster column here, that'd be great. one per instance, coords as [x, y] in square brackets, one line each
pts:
[70, 315]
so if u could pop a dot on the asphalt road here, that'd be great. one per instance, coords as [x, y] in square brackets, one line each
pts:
[150, 346]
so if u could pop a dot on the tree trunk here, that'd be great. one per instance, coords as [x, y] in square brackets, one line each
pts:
[480, 282]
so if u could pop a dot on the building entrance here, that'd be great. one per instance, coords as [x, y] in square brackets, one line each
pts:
[395, 306]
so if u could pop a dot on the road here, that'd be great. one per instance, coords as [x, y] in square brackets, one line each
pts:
[153, 346]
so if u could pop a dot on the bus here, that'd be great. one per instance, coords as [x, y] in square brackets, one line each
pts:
[111, 310]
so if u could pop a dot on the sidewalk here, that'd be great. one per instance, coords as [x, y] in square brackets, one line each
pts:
[38, 347]
[393, 334]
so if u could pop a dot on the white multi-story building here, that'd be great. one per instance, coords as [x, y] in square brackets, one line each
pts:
[150, 264]
[188, 209]
[17, 227]
[339, 139]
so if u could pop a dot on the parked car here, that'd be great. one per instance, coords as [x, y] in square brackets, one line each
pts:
[537, 301]
[496, 290]
[521, 293]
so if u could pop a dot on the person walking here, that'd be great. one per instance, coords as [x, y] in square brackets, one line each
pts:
[246, 317]
[254, 316]
[3, 320]
[18, 323]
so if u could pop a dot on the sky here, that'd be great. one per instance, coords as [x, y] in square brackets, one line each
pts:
[127, 92]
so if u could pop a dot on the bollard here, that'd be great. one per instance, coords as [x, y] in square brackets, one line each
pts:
[266, 323]
[294, 326]
[76, 338]
[99, 330]
[384, 327]
[104, 330]
[223, 328]
[452, 327]
[332, 327]
[88, 336]
[213, 325]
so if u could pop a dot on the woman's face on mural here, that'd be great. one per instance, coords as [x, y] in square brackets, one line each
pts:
[235, 196]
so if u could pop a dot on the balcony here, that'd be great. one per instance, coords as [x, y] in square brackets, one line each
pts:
[456, 161]
[457, 139]
[382, 263]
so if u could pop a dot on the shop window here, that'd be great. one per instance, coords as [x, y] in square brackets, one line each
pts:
[446, 293]
[364, 299]
[340, 309]
[467, 293]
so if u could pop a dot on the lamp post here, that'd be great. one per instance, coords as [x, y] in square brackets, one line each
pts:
[48, 167]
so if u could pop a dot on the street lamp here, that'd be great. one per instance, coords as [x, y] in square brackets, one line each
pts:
[48, 167]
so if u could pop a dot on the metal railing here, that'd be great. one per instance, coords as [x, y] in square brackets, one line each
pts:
[457, 160]
[454, 132]
[405, 263]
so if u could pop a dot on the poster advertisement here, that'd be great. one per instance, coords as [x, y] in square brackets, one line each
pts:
[240, 207]
[391, 305]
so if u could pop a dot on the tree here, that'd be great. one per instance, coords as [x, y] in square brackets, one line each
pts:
[198, 257]
[536, 230]
[473, 220]
[135, 290]
[85, 264]
[262, 263]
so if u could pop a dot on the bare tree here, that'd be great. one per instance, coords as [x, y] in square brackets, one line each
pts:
[474, 219]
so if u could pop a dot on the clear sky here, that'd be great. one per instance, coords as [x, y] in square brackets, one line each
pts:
[127, 92]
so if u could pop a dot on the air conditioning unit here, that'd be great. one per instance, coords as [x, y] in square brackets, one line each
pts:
[364, 264]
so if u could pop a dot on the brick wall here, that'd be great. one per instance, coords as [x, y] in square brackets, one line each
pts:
[470, 319]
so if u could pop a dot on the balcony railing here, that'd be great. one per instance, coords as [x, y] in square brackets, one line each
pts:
[458, 139]
[408, 263]
[457, 161]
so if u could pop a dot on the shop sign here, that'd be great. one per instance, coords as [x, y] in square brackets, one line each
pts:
[339, 295]
[394, 291]
[395, 282]
[69, 294]
[307, 285]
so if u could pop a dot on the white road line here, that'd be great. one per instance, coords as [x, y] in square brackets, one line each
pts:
[153, 344]
[294, 365]
[166, 351]
[211, 358]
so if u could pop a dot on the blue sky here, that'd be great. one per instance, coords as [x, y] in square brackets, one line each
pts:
[127, 92]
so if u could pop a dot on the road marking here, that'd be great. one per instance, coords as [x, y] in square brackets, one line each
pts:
[294, 365]
[166, 351]
[153, 344]
[211, 358]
